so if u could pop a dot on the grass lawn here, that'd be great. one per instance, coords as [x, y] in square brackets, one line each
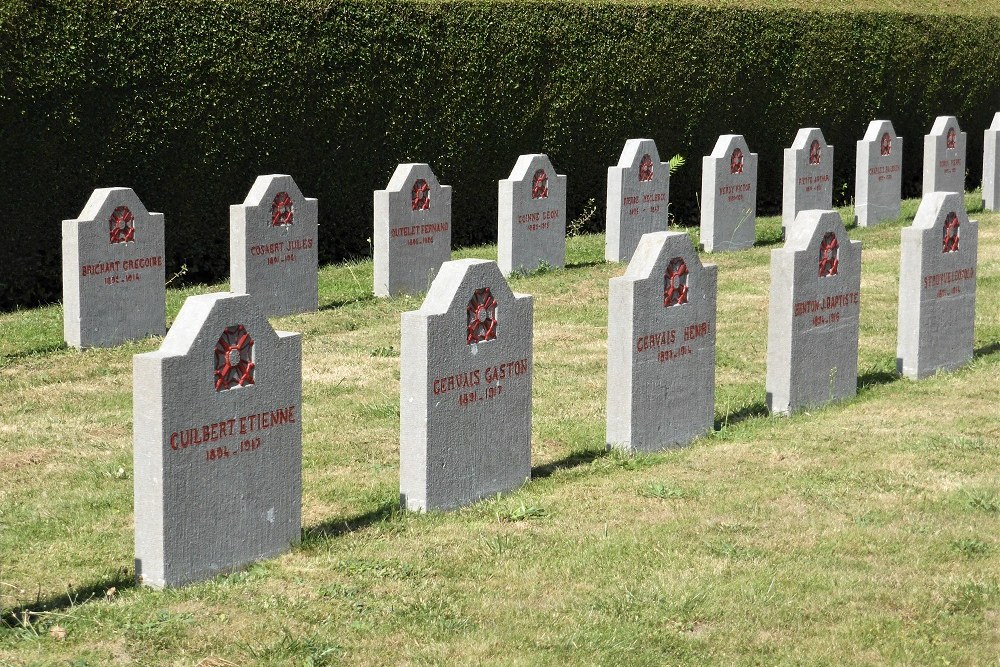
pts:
[867, 532]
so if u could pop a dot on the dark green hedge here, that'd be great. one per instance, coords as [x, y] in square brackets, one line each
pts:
[187, 101]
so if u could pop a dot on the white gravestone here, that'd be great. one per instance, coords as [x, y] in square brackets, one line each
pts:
[113, 276]
[273, 250]
[218, 443]
[807, 178]
[991, 169]
[729, 195]
[944, 157]
[937, 287]
[465, 389]
[638, 193]
[531, 217]
[812, 332]
[412, 230]
[878, 175]
[661, 346]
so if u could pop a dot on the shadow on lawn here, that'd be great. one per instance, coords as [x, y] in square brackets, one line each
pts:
[28, 613]
[33, 352]
[986, 350]
[578, 458]
[340, 303]
[338, 527]
[757, 409]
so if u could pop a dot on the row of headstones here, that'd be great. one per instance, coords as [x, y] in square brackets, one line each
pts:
[114, 276]
[217, 409]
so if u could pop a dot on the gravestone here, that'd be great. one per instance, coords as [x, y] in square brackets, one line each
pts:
[638, 194]
[807, 179]
[661, 346]
[812, 329]
[273, 250]
[991, 170]
[113, 276]
[532, 217]
[878, 175]
[729, 195]
[218, 443]
[944, 157]
[937, 287]
[412, 230]
[465, 389]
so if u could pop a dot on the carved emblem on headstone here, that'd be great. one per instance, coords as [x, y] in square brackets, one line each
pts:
[829, 255]
[815, 152]
[421, 195]
[482, 312]
[282, 210]
[646, 168]
[950, 142]
[736, 162]
[122, 225]
[886, 147]
[951, 233]
[675, 283]
[540, 185]
[233, 359]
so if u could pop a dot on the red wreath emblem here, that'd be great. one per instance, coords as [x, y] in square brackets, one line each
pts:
[675, 283]
[122, 225]
[540, 185]
[950, 141]
[646, 169]
[829, 255]
[886, 144]
[951, 233]
[736, 162]
[282, 210]
[234, 359]
[421, 195]
[482, 312]
[815, 152]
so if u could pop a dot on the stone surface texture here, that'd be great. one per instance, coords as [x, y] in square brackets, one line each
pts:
[878, 175]
[412, 235]
[113, 274]
[812, 333]
[638, 196]
[729, 195]
[217, 443]
[944, 157]
[465, 389]
[937, 287]
[273, 247]
[807, 178]
[531, 217]
[661, 346]
[991, 170]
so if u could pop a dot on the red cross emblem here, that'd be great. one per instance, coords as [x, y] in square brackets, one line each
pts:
[122, 225]
[951, 233]
[421, 195]
[675, 283]
[646, 169]
[234, 359]
[815, 152]
[886, 148]
[736, 162]
[482, 311]
[282, 210]
[540, 185]
[829, 255]
[950, 141]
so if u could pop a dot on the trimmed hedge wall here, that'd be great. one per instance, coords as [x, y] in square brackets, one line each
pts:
[187, 101]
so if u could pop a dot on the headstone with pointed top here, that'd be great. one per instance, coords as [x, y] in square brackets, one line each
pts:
[729, 195]
[273, 247]
[638, 194]
[217, 443]
[937, 287]
[113, 274]
[412, 230]
[807, 181]
[532, 217]
[812, 332]
[878, 176]
[944, 157]
[465, 389]
[991, 167]
[661, 346]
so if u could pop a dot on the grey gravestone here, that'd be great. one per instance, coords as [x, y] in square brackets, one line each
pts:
[218, 443]
[113, 276]
[532, 216]
[661, 346]
[638, 194]
[729, 195]
[807, 179]
[878, 177]
[991, 172]
[937, 287]
[412, 230]
[273, 251]
[944, 157]
[465, 389]
[812, 332]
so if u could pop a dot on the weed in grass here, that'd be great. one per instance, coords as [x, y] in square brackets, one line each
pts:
[970, 547]
[619, 459]
[663, 491]
[496, 545]
[983, 500]
[972, 598]
[289, 650]
[384, 351]
[521, 512]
